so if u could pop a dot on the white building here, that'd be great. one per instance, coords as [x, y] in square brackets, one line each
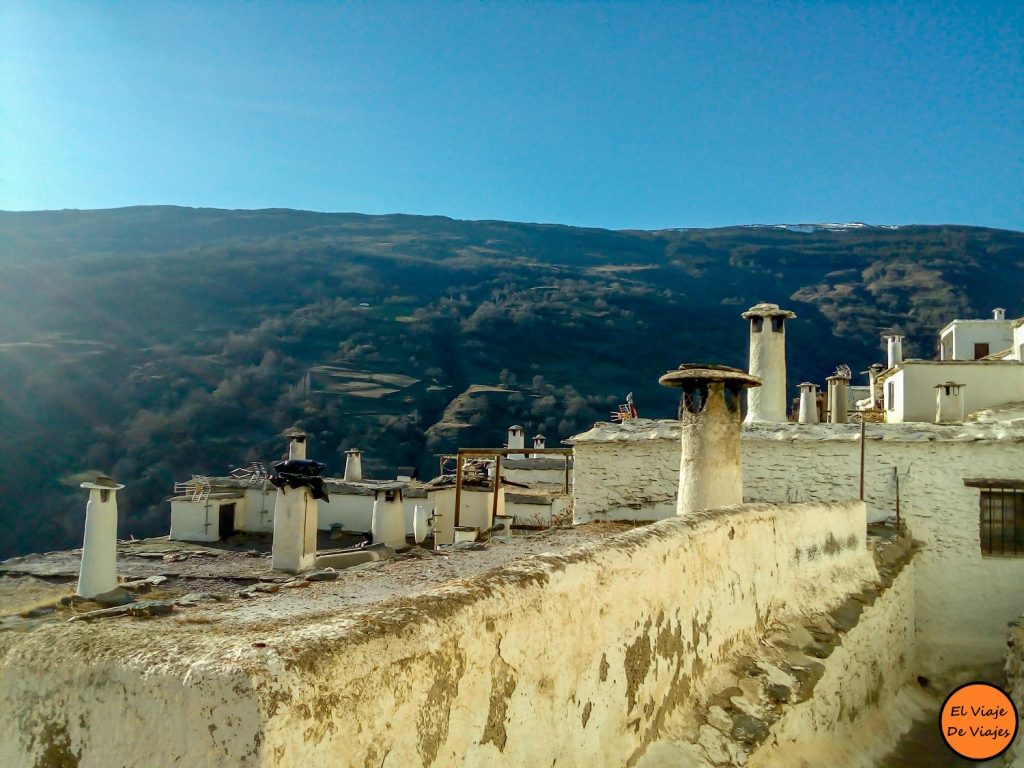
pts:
[983, 356]
[976, 339]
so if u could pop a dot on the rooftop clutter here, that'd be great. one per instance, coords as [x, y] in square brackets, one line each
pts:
[300, 473]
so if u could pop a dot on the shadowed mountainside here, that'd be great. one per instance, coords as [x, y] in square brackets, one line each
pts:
[157, 342]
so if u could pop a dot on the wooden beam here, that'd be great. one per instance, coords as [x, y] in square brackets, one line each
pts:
[497, 485]
[458, 490]
[479, 453]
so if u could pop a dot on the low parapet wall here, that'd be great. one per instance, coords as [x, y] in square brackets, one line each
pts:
[631, 471]
[578, 657]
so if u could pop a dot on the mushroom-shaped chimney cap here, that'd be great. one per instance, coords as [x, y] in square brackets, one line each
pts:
[703, 372]
[539, 437]
[103, 483]
[295, 434]
[948, 384]
[516, 426]
[810, 384]
[767, 310]
[876, 367]
[893, 335]
[353, 450]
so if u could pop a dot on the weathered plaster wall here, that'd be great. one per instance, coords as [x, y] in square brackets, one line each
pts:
[570, 659]
[856, 714]
[627, 472]
[963, 604]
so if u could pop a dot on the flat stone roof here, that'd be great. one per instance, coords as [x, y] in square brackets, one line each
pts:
[639, 430]
[236, 593]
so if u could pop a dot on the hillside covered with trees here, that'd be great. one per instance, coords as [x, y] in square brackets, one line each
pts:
[156, 342]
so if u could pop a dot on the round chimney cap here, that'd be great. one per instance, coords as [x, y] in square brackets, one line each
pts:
[808, 384]
[103, 483]
[295, 433]
[696, 372]
[948, 384]
[515, 426]
[353, 450]
[764, 309]
[539, 437]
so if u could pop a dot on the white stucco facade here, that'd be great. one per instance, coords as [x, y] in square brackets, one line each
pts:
[960, 339]
[476, 507]
[908, 391]
[201, 520]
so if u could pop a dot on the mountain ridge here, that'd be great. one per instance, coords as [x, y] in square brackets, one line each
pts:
[157, 341]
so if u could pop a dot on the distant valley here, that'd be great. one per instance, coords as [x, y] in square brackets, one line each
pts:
[157, 342]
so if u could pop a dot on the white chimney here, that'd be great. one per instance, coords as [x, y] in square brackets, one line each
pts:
[539, 441]
[98, 574]
[998, 313]
[767, 362]
[949, 403]
[710, 473]
[808, 403]
[295, 519]
[353, 465]
[516, 439]
[387, 524]
[894, 347]
[296, 445]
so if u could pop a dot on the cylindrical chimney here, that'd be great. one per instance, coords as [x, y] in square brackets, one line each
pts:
[516, 439]
[949, 403]
[387, 524]
[838, 387]
[894, 347]
[353, 465]
[710, 473]
[808, 403]
[98, 573]
[539, 442]
[998, 313]
[767, 362]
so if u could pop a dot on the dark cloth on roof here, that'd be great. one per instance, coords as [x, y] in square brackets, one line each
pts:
[298, 473]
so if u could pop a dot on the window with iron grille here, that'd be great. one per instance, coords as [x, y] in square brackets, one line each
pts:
[1002, 522]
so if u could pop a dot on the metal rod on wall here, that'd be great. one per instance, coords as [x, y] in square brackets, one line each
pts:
[862, 420]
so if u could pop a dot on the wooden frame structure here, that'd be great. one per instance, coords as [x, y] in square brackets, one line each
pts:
[496, 454]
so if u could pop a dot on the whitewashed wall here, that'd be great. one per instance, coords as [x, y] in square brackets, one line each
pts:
[257, 513]
[200, 521]
[964, 600]
[988, 383]
[476, 504]
[964, 334]
[583, 653]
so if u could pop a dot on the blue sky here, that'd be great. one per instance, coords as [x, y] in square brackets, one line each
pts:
[621, 115]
